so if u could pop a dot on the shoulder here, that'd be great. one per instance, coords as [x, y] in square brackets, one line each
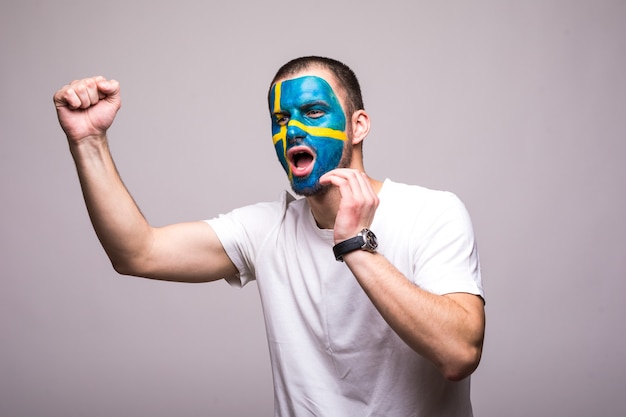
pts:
[423, 211]
[253, 218]
[415, 197]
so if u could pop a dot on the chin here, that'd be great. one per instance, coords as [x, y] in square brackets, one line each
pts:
[309, 190]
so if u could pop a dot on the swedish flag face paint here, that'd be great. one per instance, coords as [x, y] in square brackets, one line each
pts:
[308, 130]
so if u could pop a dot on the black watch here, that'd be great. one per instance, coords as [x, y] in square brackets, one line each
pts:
[365, 240]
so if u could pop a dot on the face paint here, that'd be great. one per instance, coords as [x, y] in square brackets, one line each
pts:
[308, 130]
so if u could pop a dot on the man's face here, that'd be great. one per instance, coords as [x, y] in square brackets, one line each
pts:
[308, 130]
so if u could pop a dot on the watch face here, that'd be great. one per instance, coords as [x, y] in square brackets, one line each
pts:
[371, 243]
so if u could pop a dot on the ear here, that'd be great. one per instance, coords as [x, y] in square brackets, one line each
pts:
[360, 126]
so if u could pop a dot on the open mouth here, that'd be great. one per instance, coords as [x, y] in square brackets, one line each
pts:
[301, 160]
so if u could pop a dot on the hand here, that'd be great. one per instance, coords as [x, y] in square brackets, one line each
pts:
[87, 107]
[358, 202]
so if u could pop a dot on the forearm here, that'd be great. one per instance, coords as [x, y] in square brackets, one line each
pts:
[439, 328]
[122, 229]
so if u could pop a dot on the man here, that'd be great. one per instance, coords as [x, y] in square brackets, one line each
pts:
[358, 324]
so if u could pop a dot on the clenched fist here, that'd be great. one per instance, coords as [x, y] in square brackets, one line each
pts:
[87, 107]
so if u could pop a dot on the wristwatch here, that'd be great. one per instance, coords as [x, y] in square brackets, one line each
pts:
[365, 240]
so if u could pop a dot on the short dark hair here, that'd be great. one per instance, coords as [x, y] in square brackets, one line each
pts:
[343, 74]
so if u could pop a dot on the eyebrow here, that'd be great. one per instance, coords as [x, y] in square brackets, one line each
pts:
[310, 104]
[306, 106]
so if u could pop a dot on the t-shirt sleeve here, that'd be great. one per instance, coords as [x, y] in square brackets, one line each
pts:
[242, 232]
[448, 259]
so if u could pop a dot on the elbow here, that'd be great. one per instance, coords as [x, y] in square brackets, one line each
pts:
[125, 267]
[463, 365]
[122, 268]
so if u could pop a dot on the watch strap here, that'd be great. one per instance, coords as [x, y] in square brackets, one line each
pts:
[347, 246]
[365, 240]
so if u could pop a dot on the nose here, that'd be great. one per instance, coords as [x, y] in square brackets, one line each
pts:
[294, 133]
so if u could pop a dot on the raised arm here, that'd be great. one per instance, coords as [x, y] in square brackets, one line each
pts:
[189, 252]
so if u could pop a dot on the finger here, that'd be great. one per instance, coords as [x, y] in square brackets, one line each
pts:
[75, 95]
[87, 92]
[350, 189]
[358, 182]
[366, 185]
[330, 178]
[336, 175]
[102, 85]
[358, 188]
[108, 88]
[66, 97]
[92, 91]
[361, 190]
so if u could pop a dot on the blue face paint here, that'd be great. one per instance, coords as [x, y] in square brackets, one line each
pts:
[308, 130]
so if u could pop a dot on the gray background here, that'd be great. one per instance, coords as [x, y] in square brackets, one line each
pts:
[517, 106]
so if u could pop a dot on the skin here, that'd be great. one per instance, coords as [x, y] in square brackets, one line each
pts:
[446, 329]
[307, 117]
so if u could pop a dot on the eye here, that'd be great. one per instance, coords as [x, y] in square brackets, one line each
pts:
[315, 113]
[281, 119]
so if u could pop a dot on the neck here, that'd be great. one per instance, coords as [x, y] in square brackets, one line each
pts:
[324, 206]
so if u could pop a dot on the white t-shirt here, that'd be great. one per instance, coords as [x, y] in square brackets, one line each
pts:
[332, 353]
